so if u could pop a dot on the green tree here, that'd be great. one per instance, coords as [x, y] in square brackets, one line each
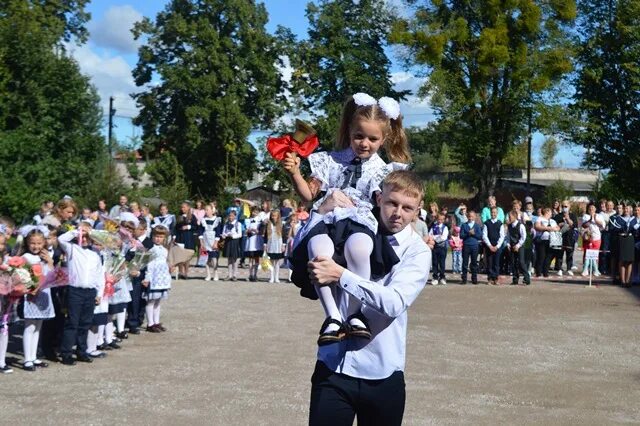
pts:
[50, 119]
[343, 55]
[608, 89]
[490, 65]
[548, 151]
[218, 80]
[558, 190]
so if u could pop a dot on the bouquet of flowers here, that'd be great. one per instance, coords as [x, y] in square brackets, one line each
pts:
[56, 278]
[22, 277]
[140, 261]
[115, 268]
[108, 240]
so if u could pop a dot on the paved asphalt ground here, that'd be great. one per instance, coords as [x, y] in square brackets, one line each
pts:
[240, 353]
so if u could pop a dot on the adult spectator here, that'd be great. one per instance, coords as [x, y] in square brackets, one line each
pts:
[543, 226]
[555, 208]
[63, 213]
[286, 209]
[460, 214]
[606, 211]
[592, 226]
[486, 212]
[186, 230]
[265, 213]
[122, 206]
[365, 378]
[432, 214]
[568, 223]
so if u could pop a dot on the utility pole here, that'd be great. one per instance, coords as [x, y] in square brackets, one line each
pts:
[529, 156]
[112, 112]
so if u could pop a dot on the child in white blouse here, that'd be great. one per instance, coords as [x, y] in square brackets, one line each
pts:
[348, 234]
[274, 245]
[157, 282]
[232, 250]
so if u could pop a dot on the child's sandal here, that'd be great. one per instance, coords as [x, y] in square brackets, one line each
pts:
[329, 337]
[357, 330]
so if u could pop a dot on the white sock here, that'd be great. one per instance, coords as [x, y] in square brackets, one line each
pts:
[27, 339]
[109, 328]
[92, 339]
[357, 252]
[156, 312]
[272, 272]
[120, 319]
[4, 344]
[208, 269]
[235, 269]
[230, 270]
[321, 245]
[149, 311]
[101, 335]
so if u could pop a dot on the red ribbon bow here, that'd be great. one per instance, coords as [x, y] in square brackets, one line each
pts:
[279, 147]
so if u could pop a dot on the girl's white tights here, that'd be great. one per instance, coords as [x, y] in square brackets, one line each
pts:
[4, 343]
[233, 268]
[92, 339]
[153, 312]
[30, 338]
[275, 270]
[321, 245]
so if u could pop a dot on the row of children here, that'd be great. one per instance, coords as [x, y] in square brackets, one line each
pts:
[89, 314]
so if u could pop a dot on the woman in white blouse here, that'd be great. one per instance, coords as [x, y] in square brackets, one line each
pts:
[543, 226]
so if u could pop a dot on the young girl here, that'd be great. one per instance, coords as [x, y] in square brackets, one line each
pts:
[157, 281]
[274, 245]
[35, 308]
[121, 297]
[209, 239]
[290, 231]
[4, 305]
[165, 219]
[232, 235]
[348, 234]
[456, 248]
[253, 244]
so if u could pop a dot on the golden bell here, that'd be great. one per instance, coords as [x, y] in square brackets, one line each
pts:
[303, 131]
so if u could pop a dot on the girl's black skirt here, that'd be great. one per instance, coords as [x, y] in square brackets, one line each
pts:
[382, 258]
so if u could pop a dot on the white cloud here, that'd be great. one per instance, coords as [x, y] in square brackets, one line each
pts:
[111, 75]
[416, 110]
[113, 31]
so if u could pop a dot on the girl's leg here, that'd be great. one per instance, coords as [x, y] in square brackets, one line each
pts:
[321, 245]
[272, 279]
[256, 264]
[215, 269]
[92, 339]
[109, 330]
[276, 269]
[185, 267]
[120, 319]
[4, 344]
[156, 311]
[149, 311]
[230, 262]
[100, 332]
[627, 280]
[34, 340]
[27, 339]
[235, 269]
[208, 269]
[357, 252]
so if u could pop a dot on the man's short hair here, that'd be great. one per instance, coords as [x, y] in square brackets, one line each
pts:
[405, 181]
[494, 208]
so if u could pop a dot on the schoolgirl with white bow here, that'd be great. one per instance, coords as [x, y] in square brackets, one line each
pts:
[34, 309]
[349, 234]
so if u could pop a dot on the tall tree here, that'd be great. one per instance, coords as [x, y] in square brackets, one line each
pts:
[607, 96]
[490, 64]
[50, 142]
[343, 55]
[217, 79]
[548, 151]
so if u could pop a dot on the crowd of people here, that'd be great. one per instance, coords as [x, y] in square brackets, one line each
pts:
[529, 241]
[83, 313]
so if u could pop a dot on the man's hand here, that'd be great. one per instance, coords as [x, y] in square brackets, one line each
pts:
[493, 249]
[145, 283]
[336, 199]
[291, 163]
[324, 271]
[98, 300]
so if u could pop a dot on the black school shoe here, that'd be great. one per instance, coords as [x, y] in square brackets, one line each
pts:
[67, 360]
[84, 358]
[134, 331]
[114, 345]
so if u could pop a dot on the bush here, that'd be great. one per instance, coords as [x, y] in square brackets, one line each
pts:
[558, 190]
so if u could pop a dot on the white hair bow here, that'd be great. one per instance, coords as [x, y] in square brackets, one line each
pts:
[25, 230]
[390, 106]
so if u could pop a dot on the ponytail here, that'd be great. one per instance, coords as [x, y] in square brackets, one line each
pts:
[344, 132]
[396, 144]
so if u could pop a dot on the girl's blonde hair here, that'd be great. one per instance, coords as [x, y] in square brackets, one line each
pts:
[277, 223]
[395, 140]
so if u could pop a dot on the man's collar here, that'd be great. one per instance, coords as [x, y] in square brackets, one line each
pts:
[403, 235]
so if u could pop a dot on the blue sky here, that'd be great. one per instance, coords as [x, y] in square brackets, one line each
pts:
[111, 53]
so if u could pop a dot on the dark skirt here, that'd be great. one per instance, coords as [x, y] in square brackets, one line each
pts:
[256, 253]
[214, 254]
[275, 256]
[382, 258]
[232, 248]
[626, 252]
[117, 308]
[100, 319]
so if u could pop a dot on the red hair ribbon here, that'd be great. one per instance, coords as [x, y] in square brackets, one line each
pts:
[279, 147]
